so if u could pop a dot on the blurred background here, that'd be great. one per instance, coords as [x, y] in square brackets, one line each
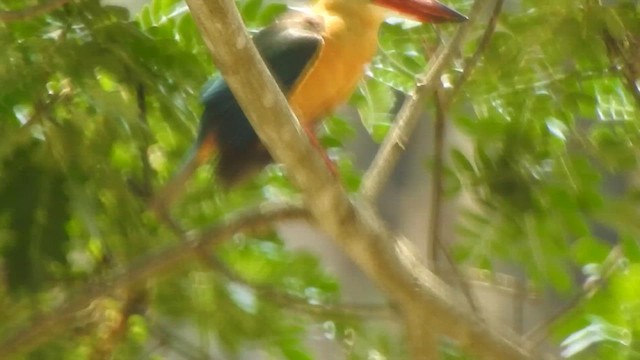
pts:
[535, 206]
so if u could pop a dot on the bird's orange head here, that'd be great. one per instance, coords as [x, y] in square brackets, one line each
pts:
[428, 11]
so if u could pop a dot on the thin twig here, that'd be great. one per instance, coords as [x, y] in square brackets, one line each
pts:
[435, 208]
[629, 77]
[442, 106]
[407, 118]
[471, 63]
[7, 16]
[162, 212]
[153, 265]
[435, 187]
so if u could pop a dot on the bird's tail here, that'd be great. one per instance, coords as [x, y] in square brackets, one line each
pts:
[202, 151]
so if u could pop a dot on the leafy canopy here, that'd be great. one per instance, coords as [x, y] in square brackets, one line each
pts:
[97, 109]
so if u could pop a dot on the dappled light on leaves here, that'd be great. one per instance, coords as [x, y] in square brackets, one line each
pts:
[539, 164]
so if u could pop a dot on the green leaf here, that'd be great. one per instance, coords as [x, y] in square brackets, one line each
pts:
[250, 10]
[269, 13]
[374, 102]
[589, 250]
[598, 331]
[461, 163]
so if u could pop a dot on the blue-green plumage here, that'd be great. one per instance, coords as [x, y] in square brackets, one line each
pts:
[324, 52]
[287, 47]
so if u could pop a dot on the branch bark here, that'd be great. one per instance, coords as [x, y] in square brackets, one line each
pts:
[436, 205]
[471, 63]
[390, 261]
[44, 328]
[436, 187]
[618, 54]
[407, 118]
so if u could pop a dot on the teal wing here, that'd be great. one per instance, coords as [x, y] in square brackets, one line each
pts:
[288, 47]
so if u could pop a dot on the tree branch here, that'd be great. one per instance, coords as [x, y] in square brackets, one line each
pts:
[388, 260]
[616, 54]
[407, 118]
[434, 221]
[443, 102]
[47, 326]
[7, 16]
[436, 203]
[134, 302]
[471, 63]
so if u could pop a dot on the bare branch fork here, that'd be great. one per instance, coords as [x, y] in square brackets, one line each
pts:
[390, 261]
[407, 118]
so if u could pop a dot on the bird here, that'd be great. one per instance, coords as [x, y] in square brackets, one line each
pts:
[317, 57]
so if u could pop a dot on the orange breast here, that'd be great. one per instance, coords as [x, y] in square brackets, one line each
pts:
[331, 80]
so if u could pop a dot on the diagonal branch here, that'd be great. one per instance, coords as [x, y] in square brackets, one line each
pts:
[390, 261]
[7, 16]
[616, 54]
[471, 63]
[47, 326]
[393, 144]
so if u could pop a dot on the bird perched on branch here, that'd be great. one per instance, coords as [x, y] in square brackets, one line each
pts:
[317, 58]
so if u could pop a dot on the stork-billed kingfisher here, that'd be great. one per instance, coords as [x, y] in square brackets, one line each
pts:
[317, 58]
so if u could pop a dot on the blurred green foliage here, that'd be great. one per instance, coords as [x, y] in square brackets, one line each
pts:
[97, 108]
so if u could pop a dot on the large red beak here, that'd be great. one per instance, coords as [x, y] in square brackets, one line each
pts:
[430, 11]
